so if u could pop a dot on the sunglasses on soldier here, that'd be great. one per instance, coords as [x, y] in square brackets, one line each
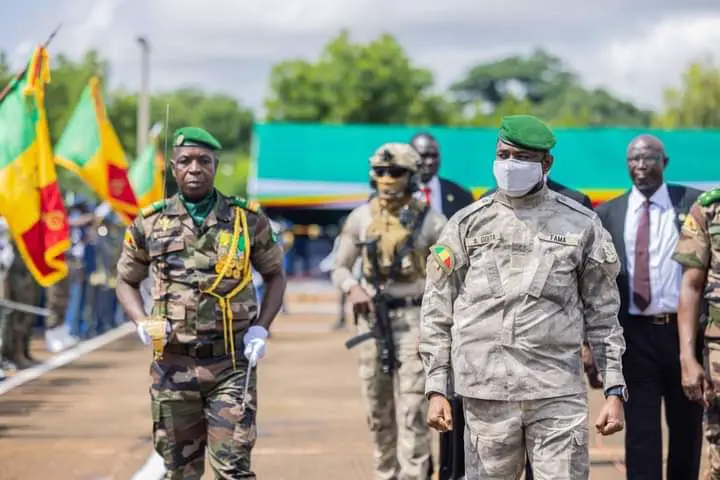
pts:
[393, 171]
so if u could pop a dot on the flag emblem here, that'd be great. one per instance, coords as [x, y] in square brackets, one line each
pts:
[443, 257]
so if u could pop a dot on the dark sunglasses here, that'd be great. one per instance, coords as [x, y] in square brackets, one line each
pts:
[393, 171]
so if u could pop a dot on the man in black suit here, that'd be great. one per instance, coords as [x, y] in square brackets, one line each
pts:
[644, 224]
[446, 197]
[441, 194]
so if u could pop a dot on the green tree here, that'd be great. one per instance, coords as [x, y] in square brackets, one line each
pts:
[355, 83]
[696, 103]
[544, 86]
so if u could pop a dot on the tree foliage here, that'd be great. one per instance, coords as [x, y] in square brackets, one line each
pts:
[541, 84]
[696, 102]
[377, 83]
[355, 83]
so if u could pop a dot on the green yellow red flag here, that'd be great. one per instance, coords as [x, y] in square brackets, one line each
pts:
[30, 198]
[147, 175]
[91, 149]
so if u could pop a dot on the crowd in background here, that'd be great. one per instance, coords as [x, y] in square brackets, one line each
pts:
[85, 298]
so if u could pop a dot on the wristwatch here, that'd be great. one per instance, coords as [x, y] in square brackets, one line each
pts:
[618, 391]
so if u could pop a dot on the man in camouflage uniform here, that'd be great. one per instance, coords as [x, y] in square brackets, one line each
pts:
[698, 251]
[18, 330]
[7, 255]
[199, 247]
[395, 401]
[514, 282]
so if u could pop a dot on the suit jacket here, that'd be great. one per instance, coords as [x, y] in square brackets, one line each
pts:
[612, 214]
[579, 197]
[454, 197]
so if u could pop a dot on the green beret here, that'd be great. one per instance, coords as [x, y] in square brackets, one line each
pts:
[526, 131]
[195, 137]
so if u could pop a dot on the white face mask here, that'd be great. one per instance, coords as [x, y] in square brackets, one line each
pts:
[516, 177]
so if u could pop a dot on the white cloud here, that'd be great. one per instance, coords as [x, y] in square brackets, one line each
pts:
[230, 45]
[642, 65]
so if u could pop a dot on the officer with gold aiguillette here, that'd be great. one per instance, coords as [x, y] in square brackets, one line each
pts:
[200, 247]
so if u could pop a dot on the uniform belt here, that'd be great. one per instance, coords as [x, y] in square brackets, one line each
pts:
[661, 319]
[201, 350]
[405, 302]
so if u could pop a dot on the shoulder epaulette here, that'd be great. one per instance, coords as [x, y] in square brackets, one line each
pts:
[153, 208]
[464, 213]
[250, 205]
[577, 206]
[708, 198]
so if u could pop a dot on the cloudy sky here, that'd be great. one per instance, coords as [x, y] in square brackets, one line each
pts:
[230, 45]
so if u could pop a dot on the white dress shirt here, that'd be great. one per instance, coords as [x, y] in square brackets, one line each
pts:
[665, 273]
[435, 194]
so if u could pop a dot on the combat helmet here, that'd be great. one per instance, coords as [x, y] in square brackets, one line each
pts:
[394, 170]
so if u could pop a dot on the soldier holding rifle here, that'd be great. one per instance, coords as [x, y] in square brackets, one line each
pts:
[391, 233]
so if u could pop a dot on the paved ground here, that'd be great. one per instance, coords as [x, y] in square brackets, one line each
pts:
[89, 420]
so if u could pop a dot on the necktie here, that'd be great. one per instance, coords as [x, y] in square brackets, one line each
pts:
[426, 191]
[641, 276]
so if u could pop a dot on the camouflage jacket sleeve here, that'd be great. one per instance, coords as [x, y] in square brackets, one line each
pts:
[134, 262]
[693, 249]
[601, 303]
[446, 267]
[266, 253]
[347, 253]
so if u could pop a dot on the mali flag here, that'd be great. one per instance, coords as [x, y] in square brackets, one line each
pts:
[90, 148]
[30, 198]
[147, 175]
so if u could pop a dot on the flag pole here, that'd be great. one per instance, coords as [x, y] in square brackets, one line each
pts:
[22, 72]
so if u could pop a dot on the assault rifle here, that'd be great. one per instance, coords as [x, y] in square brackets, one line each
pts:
[381, 329]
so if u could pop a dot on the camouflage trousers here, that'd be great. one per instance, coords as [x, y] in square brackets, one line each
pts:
[16, 328]
[196, 405]
[396, 405]
[58, 297]
[553, 432]
[712, 412]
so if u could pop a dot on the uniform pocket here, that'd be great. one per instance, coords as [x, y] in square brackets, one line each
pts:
[579, 454]
[555, 278]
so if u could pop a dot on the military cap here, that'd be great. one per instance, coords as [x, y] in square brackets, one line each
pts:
[399, 154]
[526, 131]
[195, 137]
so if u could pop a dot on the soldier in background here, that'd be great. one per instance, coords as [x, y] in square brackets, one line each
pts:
[7, 256]
[22, 288]
[395, 401]
[698, 251]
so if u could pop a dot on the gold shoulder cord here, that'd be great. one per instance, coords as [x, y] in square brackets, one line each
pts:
[224, 301]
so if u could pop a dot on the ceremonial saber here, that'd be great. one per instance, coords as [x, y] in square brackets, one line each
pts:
[247, 387]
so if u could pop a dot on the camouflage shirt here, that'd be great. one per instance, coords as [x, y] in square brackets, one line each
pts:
[699, 244]
[513, 286]
[182, 259]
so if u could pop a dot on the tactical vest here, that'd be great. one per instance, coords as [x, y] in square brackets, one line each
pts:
[392, 235]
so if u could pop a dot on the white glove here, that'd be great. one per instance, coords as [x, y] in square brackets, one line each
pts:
[254, 341]
[144, 337]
